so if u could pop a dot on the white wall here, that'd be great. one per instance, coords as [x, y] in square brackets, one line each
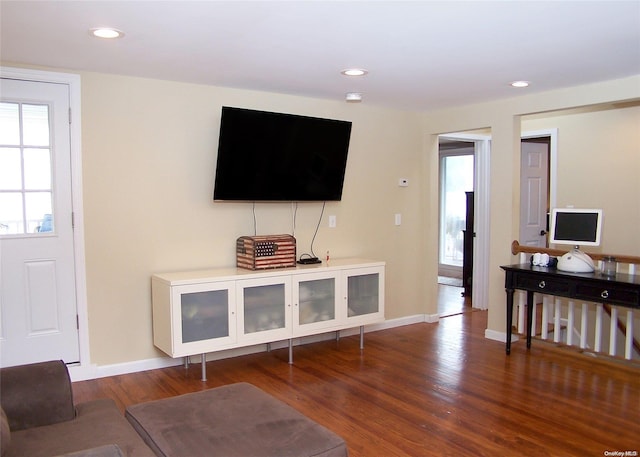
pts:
[598, 167]
[149, 150]
[503, 119]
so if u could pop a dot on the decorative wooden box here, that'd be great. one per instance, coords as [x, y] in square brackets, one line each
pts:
[267, 251]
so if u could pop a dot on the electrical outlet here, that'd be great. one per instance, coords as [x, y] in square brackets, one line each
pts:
[403, 182]
[332, 221]
[398, 219]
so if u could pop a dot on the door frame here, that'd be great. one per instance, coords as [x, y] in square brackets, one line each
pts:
[482, 153]
[480, 293]
[73, 81]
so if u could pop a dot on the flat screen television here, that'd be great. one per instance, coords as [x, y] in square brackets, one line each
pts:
[266, 156]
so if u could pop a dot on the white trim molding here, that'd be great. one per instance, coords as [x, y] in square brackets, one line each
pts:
[499, 336]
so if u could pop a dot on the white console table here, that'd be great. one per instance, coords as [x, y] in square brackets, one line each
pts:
[205, 311]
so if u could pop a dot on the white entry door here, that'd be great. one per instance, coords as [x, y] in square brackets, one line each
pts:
[534, 190]
[37, 269]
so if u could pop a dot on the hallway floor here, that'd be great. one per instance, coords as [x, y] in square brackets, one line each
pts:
[451, 301]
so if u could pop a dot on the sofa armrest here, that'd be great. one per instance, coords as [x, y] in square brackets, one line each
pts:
[36, 394]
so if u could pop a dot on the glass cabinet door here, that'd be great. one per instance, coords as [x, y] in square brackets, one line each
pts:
[264, 311]
[315, 301]
[365, 293]
[204, 317]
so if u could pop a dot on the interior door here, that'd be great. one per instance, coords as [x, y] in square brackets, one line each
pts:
[534, 191]
[37, 268]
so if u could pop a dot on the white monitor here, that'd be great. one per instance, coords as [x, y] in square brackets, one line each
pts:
[577, 227]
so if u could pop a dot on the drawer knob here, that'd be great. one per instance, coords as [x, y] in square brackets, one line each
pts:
[542, 284]
[605, 294]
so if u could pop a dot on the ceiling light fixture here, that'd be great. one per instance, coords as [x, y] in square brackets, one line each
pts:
[354, 72]
[520, 84]
[353, 97]
[106, 32]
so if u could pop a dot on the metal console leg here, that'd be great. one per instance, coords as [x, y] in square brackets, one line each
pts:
[362, 337]
[290, 351]
[204, 367]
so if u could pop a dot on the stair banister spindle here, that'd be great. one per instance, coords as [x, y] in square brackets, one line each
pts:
[570, 322]
[544, 334]
[628, 342]
[583, 325]
[598, 328]
[613, 331]
[557, 329]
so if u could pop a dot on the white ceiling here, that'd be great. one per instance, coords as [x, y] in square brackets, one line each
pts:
[421, 55]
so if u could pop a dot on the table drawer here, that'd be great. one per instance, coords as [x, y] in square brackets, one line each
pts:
[596, 293]
[543, 286]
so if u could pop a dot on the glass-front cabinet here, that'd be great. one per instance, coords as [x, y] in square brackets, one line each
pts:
[264, 309]
[316, 300]
[364, 294]
[205, 316]
[196, 312]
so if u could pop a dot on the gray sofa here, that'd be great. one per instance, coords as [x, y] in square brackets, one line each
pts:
[236, 420]
[38, 418]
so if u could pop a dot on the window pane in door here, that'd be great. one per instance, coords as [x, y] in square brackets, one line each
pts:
[11, 213]
[35, 121]
[10, 169]
[25, 169]
[457, 178]
[37, 169]
[38, 205]
[9, 124]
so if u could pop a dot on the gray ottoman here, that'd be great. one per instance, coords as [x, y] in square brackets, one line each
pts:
[235, 420]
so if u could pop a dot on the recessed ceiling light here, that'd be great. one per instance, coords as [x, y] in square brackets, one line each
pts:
[354, 72]
[353, 97]
[520, 84]
[106, 32]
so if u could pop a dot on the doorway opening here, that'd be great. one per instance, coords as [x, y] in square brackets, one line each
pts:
[455, 251]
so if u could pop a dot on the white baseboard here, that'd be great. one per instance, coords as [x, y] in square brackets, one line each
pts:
[431, 318]
[92, 371]
[499, 336]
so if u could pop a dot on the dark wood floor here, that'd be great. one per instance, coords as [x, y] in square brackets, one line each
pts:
[429, 390]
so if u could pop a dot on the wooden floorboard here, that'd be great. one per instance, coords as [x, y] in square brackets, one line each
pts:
[428, 390]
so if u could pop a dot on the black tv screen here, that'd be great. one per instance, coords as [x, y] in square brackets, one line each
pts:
[265, 156]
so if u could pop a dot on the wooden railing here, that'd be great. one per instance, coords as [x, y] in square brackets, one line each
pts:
[558, 318]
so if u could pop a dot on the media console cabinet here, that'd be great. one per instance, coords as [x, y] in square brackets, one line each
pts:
[205, 311]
